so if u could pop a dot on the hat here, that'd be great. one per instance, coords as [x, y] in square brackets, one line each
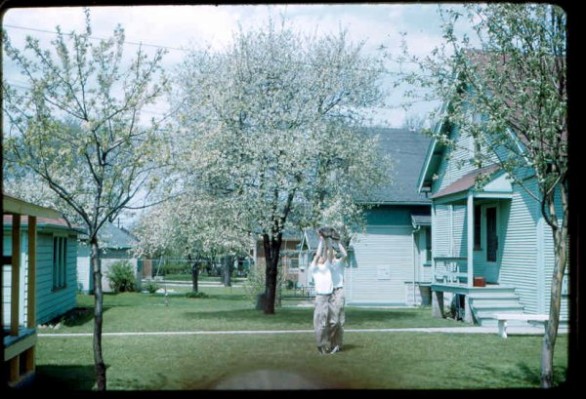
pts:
[329, 232]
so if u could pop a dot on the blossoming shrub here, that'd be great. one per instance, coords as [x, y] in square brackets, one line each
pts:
[121, 277]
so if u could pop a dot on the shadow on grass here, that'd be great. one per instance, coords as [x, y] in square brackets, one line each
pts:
[534, 375]
[77, 316]
[226, 297]
[522, 375]
[301, 317]
[63, 378]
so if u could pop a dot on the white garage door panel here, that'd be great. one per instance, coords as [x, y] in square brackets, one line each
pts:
[384, 261]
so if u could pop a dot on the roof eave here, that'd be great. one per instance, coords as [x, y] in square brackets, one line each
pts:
[20, 207]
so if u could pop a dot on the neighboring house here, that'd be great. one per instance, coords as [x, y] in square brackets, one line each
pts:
[492, 249]
[389, 262]
[288, 255]
[38, 258]
[116, 245]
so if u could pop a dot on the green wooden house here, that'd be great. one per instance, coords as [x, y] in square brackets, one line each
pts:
[56, 276]
[492, 251]
[38, 281]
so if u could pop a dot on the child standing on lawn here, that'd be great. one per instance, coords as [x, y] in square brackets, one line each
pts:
[337, 299]
[320, 270]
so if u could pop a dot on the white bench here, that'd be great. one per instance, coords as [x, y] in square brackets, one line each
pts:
[504, 317]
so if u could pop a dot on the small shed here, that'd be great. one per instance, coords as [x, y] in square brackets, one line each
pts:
[116, 244]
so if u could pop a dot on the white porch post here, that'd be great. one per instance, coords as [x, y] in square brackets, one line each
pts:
[469, 253]
[470, 235]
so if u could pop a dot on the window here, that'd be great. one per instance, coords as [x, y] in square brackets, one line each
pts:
[477, 227]
[59, 262]
[428, 244]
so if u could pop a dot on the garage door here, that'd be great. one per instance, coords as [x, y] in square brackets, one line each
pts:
[382, 263]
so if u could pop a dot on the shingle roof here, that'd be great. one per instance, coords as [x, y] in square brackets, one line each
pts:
[466, 181]
[408, 150]
[113, 237]
[42, 222]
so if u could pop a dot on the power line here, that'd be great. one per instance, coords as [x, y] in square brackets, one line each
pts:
[96, 38]
[385, 72]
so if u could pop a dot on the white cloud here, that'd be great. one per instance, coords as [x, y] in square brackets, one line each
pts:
[176, 27]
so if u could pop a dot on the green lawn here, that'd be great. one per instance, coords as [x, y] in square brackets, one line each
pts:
[370, 360]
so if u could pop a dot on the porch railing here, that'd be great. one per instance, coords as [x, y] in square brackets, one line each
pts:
[450, 269]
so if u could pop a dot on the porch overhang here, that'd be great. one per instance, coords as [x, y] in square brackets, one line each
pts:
[15, 206]
[498, 186]
[418, 221]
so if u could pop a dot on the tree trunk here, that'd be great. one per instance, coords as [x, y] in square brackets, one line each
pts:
[195, 274]
[272, 249]
[99, 364]
[560, 238]
[228, 261]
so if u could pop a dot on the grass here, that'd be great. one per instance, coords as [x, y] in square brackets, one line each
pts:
[370, 360]
[202, 278]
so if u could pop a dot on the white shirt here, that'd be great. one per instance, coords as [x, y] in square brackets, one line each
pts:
[322, 277]
[338, 273]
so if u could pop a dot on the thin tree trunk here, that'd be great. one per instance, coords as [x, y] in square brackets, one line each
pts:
[194, 273]
[99, 364]
[550, 336]
[228, 260]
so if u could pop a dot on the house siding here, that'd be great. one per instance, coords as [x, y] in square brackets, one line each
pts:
[50, 304]
[383, 264]
[53, 303]
[448, 234]
[527, 253]
[84, 280]
[459, 163]
[7, 280]
[520, 252]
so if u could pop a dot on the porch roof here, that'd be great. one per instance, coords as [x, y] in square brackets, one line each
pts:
[13, 205]
[498, 185]
[420, 220]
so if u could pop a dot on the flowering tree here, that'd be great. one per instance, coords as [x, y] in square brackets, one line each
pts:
[193, 226]
[270, 126]
[510, 94]
[76, 128]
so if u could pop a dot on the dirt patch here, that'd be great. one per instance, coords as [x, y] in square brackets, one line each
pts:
[271, 380]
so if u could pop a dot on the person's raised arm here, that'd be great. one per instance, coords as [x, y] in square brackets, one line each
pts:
[319, 250]
[343, 251]
[329, 250]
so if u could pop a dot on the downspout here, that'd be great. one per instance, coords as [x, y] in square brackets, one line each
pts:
[433, 266]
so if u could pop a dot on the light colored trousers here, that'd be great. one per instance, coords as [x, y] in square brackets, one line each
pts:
[337, 317]
[320, 320]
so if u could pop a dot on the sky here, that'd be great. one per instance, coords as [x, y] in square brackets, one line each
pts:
[179, 28]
